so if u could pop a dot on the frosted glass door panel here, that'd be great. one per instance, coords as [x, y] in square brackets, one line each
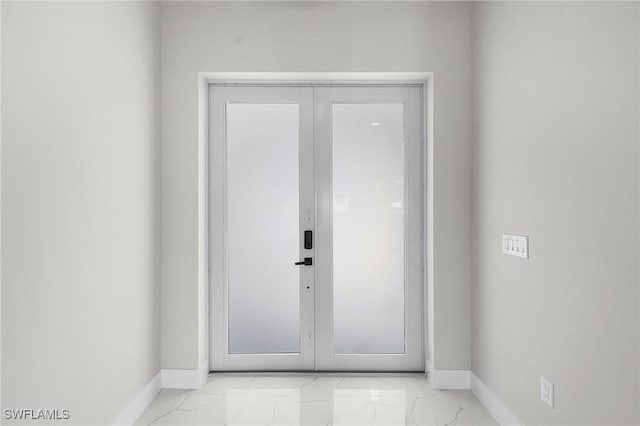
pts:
[263, 208]
[368, 229]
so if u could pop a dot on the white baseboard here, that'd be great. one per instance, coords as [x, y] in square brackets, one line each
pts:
[130, 414]
[166, 378]
[493, 404]
[185, 379]
[448, 379]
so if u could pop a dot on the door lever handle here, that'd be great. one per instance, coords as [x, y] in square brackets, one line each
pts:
[307, 261]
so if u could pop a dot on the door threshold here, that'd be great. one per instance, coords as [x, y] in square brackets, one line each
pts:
[317, 373]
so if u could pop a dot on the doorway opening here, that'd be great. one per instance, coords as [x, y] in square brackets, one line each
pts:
[315, 227]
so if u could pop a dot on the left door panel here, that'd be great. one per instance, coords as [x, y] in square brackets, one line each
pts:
[261, 202]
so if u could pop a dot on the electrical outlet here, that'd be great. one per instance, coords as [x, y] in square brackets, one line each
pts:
[546, 391]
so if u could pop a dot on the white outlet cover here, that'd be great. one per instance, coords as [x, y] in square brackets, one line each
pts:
[546, 392]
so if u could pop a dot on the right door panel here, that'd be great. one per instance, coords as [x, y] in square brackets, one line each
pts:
[368, 252]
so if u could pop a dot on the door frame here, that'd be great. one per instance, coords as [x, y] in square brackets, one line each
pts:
[207, 159]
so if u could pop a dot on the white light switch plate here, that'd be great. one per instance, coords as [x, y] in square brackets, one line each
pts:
[515, 245]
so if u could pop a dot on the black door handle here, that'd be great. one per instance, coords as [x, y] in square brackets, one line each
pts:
[307, 261]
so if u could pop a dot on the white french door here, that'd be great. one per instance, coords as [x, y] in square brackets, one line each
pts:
[315, 228]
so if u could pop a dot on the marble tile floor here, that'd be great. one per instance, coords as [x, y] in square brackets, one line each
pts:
[315, 399]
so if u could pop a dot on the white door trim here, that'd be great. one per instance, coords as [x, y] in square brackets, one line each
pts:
[424, 79]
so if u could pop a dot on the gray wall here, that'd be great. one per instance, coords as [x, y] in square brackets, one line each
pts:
[314, 36]
[556, 158]
[80, 199]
